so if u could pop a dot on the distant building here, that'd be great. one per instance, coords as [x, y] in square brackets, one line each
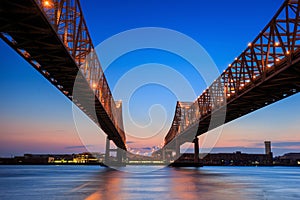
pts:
[238, 159]
[32, 159]
[81, 158]
[62, 158]
[85, 158]
[268, 147]
[241, 159]
[289, 159]
[7, 161]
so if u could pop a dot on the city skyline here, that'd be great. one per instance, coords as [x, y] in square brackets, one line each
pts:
[36, 118]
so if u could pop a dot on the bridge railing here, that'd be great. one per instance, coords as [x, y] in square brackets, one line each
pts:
[67, 20]
[275, 45]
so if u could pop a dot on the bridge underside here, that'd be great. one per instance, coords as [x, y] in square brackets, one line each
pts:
[280, 82]
[26, 29]
[267, 71]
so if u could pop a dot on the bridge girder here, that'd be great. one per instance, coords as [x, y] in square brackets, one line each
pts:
[267, 71]
[53, 37]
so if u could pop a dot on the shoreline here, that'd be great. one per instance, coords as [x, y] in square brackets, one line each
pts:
[79, 164]
[175, 166]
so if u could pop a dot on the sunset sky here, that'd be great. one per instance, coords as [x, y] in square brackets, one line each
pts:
[36, 118]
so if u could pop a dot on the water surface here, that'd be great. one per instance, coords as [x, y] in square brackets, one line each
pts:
[94, 182]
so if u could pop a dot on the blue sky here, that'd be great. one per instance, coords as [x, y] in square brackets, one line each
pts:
[36, 118]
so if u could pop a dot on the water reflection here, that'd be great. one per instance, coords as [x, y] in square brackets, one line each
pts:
[166, 183]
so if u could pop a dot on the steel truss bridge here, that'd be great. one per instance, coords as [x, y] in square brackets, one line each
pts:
[53, 37]
[267, 71]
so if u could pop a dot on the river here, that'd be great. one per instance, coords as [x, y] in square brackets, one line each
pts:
[94, 182]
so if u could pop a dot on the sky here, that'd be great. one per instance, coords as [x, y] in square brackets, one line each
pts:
[36, 118]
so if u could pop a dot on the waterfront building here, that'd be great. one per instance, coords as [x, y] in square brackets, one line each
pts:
[241, 159]
[289, 159]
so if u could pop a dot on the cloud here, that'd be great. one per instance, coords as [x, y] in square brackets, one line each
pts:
[237, 148]
[286, 144]
[277, 151]
[146, 148]
[78, 147]
[130, 142]
[228, 150]
[142, 149]
[248, 140]
[279, 144]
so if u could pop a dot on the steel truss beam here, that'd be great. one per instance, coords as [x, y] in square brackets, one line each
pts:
[265, 72]
[53, 37]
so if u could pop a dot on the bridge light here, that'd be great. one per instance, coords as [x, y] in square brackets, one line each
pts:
[277, 44]
[46, 4]
[229, 65]
[236, 59]
[94, 85]
[269, 65]
[249, 44]
[288, 52]
[254, 77]
[277, 59]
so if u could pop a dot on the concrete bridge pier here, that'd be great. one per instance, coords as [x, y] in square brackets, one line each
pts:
[114, 161]
[196, 150]
[107, 151]
[121, 156]
[187, 160]
[177, 148]
[164, 155]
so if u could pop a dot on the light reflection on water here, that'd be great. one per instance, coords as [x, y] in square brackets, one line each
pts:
[93, 182]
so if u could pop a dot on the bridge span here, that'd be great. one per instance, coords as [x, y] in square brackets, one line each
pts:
[53, 37]
[267, 71]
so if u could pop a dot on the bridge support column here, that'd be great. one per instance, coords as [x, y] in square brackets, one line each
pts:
[163, 155]
[107, 151]
[177, 149]
[117, 159]
[196, 150]
[119, 156]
